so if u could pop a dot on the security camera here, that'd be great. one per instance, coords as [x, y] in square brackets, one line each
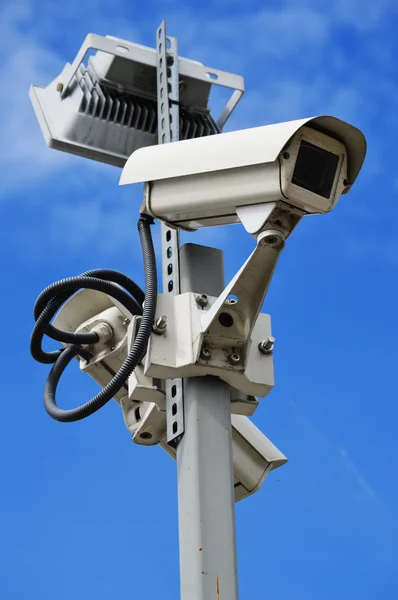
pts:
[302, 165]
[254, 456]
[143, 400]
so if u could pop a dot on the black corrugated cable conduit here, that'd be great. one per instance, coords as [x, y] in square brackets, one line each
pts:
[109, 282]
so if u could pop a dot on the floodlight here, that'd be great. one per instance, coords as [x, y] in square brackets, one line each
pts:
[106, 109]
[303, 165]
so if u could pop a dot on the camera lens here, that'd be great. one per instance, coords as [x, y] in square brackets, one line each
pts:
[315, 169]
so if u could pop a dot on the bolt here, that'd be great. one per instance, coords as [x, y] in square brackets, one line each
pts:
[271, 239]
[112, 349]
[234, 358]
[126, 322]
[286, 155]
[206, 352]
[161, 325]
[60, 87]
[202, 300]
[347, 185]
[266, 346]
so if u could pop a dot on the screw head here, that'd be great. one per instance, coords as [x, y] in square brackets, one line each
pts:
[60, 87]
[206, 352]
[347, 185]
[126, 322]
[234, 358]
[270, 239]
[202, 300]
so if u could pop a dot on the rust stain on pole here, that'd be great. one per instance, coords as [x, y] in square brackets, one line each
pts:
[218, 587]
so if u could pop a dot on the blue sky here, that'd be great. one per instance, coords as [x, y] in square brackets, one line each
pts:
[84, 513]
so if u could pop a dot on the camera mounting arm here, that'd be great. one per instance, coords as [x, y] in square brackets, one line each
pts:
[230, 322]
[225, 336]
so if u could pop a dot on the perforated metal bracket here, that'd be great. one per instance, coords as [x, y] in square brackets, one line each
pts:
[130, 51]
[167, 85]
[168, 131]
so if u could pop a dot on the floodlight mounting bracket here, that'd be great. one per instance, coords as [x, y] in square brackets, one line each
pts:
[129, 51]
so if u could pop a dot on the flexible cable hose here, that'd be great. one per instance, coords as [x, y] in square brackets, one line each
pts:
[108, 282]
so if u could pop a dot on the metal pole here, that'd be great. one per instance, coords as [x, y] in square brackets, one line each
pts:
[206, 503]
[201, 406]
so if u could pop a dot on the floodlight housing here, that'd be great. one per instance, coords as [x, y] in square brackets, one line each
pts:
[303, 165]
[107, 109]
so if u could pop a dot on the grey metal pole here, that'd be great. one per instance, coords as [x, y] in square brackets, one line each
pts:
[203, 436]
[206, 503]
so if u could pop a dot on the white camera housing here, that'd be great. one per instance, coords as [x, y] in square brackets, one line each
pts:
[143, 403]
[305, 164]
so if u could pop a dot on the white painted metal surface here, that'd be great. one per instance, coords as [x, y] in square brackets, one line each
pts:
[177, 353]
[106, 109]
[254, 146]
[82, 312]
[190, 202]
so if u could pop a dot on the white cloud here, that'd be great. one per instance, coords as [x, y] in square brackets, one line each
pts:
[363, 484]
[26, 157]
[353, 13]
[326, 445]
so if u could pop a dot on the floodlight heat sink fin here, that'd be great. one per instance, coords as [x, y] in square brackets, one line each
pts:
[121, 108]
[108, 109]
[140, 113]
